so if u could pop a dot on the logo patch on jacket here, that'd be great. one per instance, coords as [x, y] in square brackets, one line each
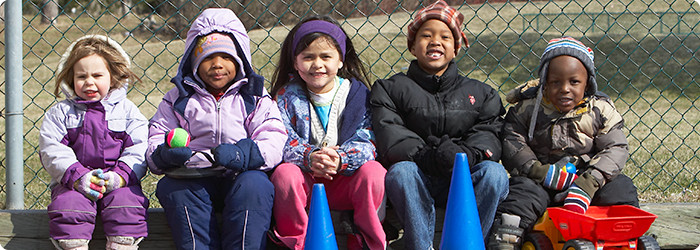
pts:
[488, 153]
[472, 99]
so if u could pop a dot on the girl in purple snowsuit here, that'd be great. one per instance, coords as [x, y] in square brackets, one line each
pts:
[93, 145]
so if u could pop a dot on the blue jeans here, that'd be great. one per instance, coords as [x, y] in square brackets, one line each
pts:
[414, 196]
[245, 204]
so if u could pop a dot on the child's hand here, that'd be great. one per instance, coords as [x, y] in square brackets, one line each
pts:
[230, 156]
[112, 181]
[446, 152]
[558, 178]
[324, 162]
[577, 200]
[167, 158]
[252, 153]
[91, 185]
[239, 157]
[425, 157]
[332, 153]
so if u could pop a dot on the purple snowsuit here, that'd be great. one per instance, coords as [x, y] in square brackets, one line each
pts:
[78, 136]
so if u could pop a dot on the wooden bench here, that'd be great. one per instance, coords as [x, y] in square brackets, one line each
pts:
[678, 224]
[28, 229]
[677, 227]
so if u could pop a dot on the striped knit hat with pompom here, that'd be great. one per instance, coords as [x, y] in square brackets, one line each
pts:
[568, 46]
[571, 47]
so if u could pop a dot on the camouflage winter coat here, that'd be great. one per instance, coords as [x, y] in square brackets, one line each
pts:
[591, 132]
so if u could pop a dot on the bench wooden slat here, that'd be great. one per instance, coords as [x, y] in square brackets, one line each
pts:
[28, 229]
[677, 227]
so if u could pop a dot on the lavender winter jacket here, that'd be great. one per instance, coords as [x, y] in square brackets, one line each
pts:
[208, 121]
[77, 136]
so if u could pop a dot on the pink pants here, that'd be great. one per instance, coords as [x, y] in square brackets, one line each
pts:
[362, 192]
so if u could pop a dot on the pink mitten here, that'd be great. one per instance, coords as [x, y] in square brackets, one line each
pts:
[91, 185]
[112, 181]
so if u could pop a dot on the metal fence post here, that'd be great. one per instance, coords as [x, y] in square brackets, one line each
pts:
[14, 113]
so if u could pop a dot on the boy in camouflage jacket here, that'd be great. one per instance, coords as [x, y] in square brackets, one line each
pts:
[561, 119]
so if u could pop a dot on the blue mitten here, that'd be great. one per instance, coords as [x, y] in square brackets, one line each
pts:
[557, 177]
[168, 158]
[255, 158]
[91, 185]
[230, 156]
[239, 157]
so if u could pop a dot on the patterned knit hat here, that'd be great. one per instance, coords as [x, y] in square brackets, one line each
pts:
[214, 43]
[571, 47]
[443, 12]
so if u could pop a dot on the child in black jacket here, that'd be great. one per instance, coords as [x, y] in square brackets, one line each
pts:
[423, 118]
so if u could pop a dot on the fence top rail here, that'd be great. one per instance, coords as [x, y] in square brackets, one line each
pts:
[607, 13]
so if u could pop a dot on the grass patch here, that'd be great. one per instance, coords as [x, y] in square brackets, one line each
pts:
[647, 62]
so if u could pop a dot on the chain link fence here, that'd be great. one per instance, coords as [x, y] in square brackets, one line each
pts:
[646, 55]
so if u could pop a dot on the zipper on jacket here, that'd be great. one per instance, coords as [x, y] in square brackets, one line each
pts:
[218, 120]
[441, 106]
[441, 113]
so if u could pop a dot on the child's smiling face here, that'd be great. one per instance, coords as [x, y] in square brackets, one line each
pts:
[318, 65]
[566, 84]
[434, 46]
[91, 78]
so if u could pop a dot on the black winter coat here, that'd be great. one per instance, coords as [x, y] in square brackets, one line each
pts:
[407, 108]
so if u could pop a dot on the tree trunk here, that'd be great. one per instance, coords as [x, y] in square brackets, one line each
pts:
[49, 11]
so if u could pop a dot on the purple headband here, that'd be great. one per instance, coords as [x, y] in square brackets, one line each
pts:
[324, 27]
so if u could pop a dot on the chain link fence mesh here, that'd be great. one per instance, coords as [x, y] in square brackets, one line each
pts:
[646, 55]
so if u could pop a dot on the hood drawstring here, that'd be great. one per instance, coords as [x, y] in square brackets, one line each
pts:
[538, 101]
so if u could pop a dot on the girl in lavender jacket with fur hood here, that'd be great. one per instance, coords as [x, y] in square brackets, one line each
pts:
[236, 136]
[93, 145]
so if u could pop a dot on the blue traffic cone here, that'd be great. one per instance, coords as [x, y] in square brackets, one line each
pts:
[319, 231]
[462, 227]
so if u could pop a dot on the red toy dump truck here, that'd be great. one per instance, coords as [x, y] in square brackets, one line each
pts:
[601, 227]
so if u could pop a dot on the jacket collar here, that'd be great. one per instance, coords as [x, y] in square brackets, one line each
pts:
[433, 83]
[113, 96]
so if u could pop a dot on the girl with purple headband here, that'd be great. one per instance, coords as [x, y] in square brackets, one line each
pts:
[322, 92]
